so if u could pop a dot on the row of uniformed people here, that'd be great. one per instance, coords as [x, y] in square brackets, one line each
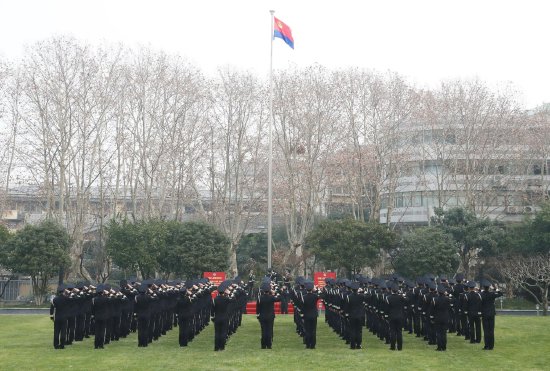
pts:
[469, 308]
[304, 296]
[152, 307]
[75, 317]
[389, 306]
[160, 308]
[227, 310]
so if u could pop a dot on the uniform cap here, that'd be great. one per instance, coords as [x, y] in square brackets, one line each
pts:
[441, 289]
[142, 288]
[485, 283]
[224, 285]
[471, 284]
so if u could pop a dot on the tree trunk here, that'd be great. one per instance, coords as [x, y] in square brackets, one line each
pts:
[545, 301]
[233, 270]
[78, 270]
[38, 290]
[300, 269]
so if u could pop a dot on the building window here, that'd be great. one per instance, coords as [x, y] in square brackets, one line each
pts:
[399, 200]
[384, 203]
[450, 138]
[416, 200]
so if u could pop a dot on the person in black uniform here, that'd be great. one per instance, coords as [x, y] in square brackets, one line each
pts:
[59, 312]
[355, 312]
[285, 297]
[142, 307]
[310, 314]
[220, 316]
[72, 312]
[101, 313]
[473, 306]
[416, 304]
[80, 314]
[395, 304]
[409, 306]
[250, 284]
[184, 308]
[461, 318]
[488, 297]
[440, 314]
[265, 309]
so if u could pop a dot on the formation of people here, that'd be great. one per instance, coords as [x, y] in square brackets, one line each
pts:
[150, 308]
[429, 307]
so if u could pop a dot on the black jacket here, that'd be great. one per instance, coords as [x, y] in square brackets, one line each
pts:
[220, 309]
[355, 305]
[309, 305]
[440, 309]
[184, 307]
[265, 306]
[488, 302]
[61, 307]
[395, 305]
[101, 307]
[142, 306]
[473, 304]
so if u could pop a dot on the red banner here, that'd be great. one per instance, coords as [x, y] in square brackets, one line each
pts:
[319, 278]
[215, 277]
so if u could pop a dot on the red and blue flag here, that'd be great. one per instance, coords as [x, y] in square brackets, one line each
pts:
[281, 30]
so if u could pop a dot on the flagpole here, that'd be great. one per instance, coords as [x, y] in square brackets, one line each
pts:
[270, 166]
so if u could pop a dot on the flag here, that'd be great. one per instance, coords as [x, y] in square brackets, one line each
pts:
[281, 30]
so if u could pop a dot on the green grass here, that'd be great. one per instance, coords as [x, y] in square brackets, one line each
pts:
[522, 343]
[515, 303]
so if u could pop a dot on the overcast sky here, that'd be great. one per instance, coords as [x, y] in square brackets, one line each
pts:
[426, 41]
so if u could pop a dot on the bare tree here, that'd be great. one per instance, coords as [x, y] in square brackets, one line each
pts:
[53, 76]
[165, 121]
[68, 90]
[481, 132]
[307, 132]
[236, 171]
[530, 273]
[10, 112]
[536, 153]
[354, 168]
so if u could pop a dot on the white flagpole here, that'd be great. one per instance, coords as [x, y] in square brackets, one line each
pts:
[270, 171]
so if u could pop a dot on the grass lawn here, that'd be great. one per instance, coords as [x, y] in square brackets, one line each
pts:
[522, 343]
